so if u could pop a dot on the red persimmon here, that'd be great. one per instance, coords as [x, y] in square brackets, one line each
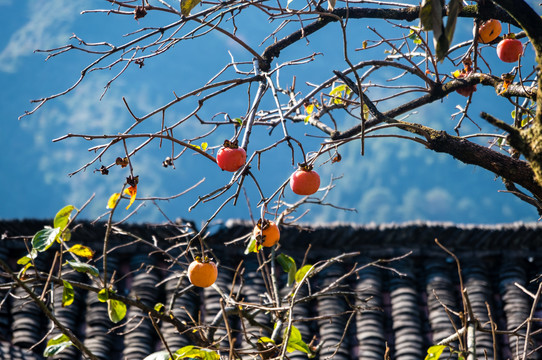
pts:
[305, 181]
[509, 50]
[231, 157]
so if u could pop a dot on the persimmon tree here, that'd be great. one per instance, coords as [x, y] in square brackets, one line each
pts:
[381, 82]
[421, 68]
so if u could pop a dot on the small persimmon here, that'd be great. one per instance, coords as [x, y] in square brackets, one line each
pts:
[231, 157]
[489, 31]
[202, 273]
[269, 232]
[305, 181]
[509, 49]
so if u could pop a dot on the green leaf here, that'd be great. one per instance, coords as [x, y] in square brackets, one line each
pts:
[56, 345]
[238, 120]
[209, 354]
[68, 294]
[301, 346]
[295, 334]
[300, 274]
[413, 35]
[191, 351]
[116, 310]
[434, 352]
[252, 246]
[295, 342]
[337, 93]
[307, 119]
[288, 265]
[62, 218]
[45, 238]
[159, 355]
[59, 339]
[103, 295]
[188, 5]
[265, 339]
[340, 92]
[26, 259]
[84, 268]
[184, 351]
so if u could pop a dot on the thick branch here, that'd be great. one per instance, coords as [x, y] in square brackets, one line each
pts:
[517, 171]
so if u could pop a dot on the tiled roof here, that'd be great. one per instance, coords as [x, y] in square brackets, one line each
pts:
[401, 303]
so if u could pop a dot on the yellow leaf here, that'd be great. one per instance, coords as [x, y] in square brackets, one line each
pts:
[81, 250]
[366, 112]
[309, 108]
[132, 192]
[187, 6]
[112, 202]
[204, 146]
[456, 74]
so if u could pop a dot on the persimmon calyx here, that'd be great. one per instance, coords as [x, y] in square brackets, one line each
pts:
[263, 224]
[304, 167]
[231, 144]
[509, 36]
[204, 259]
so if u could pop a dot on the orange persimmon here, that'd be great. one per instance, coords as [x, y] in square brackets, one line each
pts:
[269, 232]
[489, 31]
[202, 273]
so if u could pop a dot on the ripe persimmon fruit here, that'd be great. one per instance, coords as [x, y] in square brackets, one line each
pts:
[269, 232]
[202, 273]
[509, 49]
[305, 181]
[489, 31]
[231, 157]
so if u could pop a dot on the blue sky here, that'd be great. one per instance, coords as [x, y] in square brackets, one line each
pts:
[395, 181]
